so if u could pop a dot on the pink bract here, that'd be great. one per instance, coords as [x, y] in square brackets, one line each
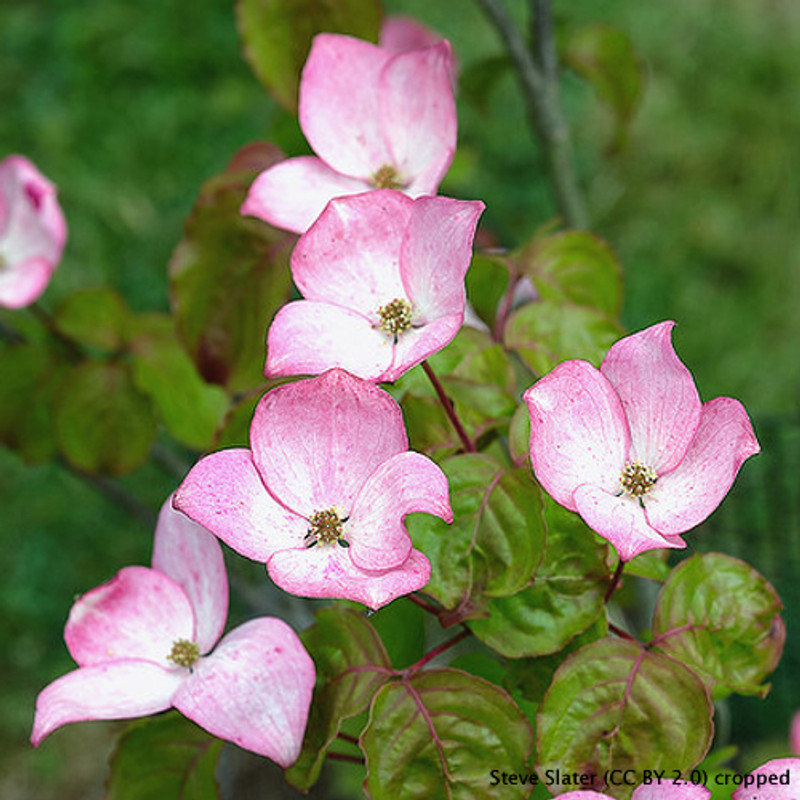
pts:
[776, 780]
[32, 232]
[321, 495]
[383, 280]
[631, 448]
[141, 641]
[664, 790]
[375, 118]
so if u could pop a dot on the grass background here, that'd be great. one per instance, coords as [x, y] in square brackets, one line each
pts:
[129, 107]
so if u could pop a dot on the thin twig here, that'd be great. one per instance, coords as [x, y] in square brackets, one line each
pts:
[449, 409]
[541, 93]
[423, 604]
[334, 756]
[437, 651]
[617, 577]
[346, 737]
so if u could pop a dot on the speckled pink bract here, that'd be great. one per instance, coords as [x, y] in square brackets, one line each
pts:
[254, 689]
[596, 434]
[364, 253]
[32, 232]
[334, 444]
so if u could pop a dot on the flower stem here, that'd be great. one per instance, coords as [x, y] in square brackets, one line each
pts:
[334, 756]
[616, 578]
[538, 78]
[443, 647]
[449, 409]
[346, 737]
[423, 604]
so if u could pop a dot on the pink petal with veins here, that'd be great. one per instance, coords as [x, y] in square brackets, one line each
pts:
[328, 571]
[224, 493]
[307, 338]
[351, 256]
[772, 791]
[190, 555]
[579, 434]
[436, 254]
[293, 193]
[114, 690]
[403, 484]
[686, 496]
[621, 521]
[254, 690]
[339, 104]
[658, 395]
[418, 115]
[138, 614]
[315, 442]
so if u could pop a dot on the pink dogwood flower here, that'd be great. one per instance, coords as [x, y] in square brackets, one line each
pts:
[32, 232]
[631, 448]
[142, 644]
[376, 119]
[383, 280]
[321, 495]
[776, 780]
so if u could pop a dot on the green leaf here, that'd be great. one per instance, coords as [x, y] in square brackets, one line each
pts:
[164, 758]
[519, 435]
[191, 409]
[720, 617]
[351, 666]
[615, 705]
[28, 389]
[495, 541]
[439, 733]
[93, 317]
[566, 596]
[531, 677]
[653, 565]
[605, 56]
[487, 282]
[479, 78]
[103, 423]
[576, 267]
[228, 277]
[548, 332]
[276, 36]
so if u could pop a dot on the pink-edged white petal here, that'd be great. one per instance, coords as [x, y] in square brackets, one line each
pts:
[671, 790]
[658, 395]
[416, 344]
[254, 690]
[338, 108]
[776, 780]
[351, 255]
[190, 555]
[621, 521]
[686, 496]
[315, 442]
[436, 254]
[31, 222]
[579, 434]
[418, 115]
[328, 571]
[403, 484]
[113, 690]
[293, 193]
[139, 613]
[224, 493]
[24, 281]
[307, 338]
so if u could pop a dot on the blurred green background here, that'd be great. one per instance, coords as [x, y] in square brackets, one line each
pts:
[130, 107]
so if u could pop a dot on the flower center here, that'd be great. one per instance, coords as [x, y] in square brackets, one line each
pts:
[395, 317]
[387, 177]
[184, 653]
[325, 527]
[637, 479]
